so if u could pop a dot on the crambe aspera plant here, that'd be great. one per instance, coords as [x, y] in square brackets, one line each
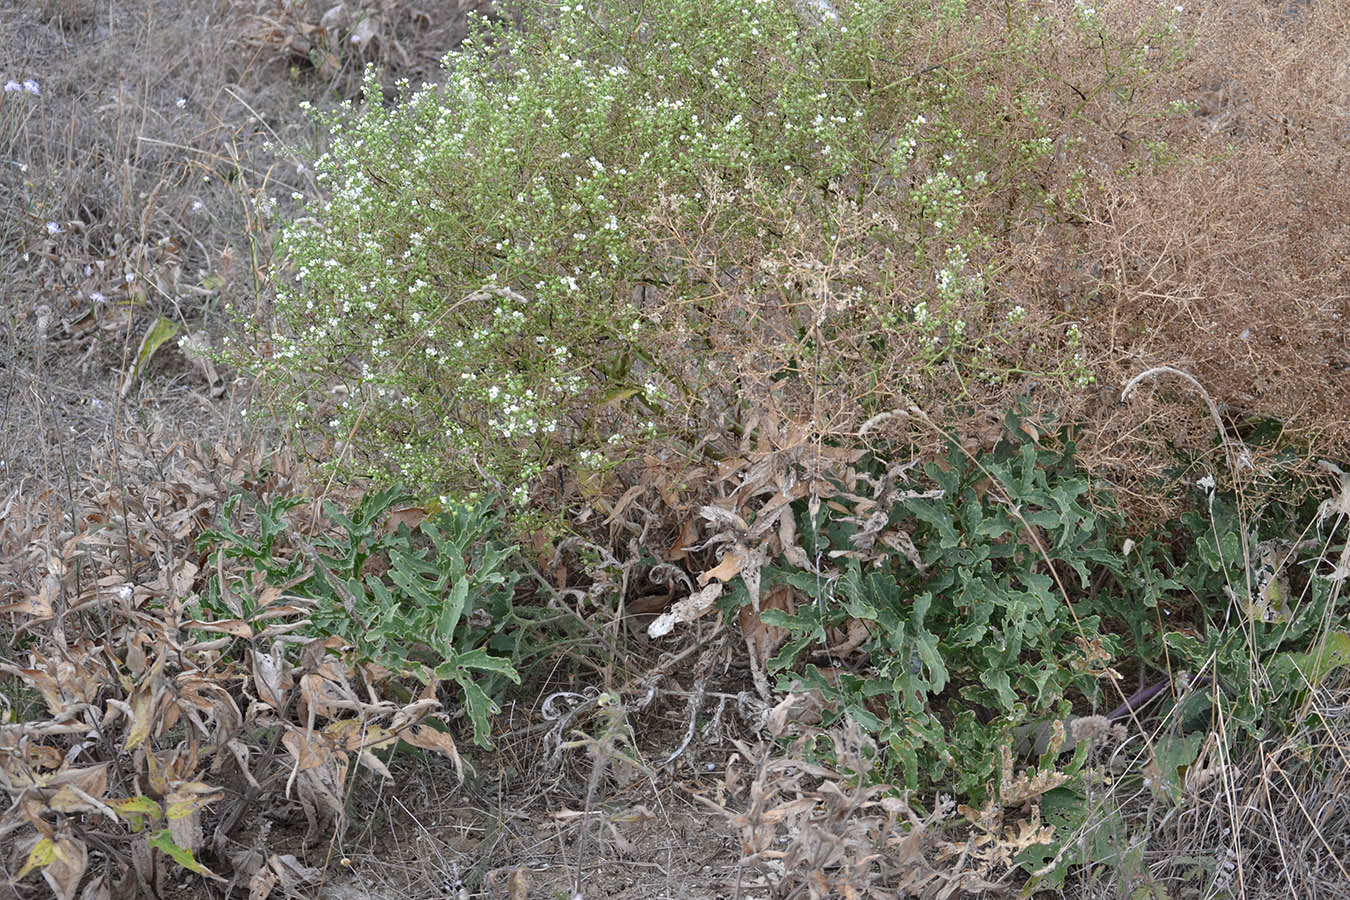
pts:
[1003, 611]
[977, 640]
[430, 602]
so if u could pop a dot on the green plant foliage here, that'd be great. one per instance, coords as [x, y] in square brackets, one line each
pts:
[603, 216]
[988, 635]
[434, 602]
[1267, 595]
[163, 841]
[1024, 595]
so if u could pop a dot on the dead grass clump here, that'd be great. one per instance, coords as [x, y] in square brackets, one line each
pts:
[129, 191]
[1270, 821]
[810, 831]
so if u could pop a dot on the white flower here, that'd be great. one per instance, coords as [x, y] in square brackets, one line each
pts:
[31, 87]
[182, 102]
[53, 228]
[12, 87]
[97, 297]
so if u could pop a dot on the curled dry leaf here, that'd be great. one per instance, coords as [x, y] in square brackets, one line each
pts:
[283, 870]
[728, 568]
[272, 676]
[687, 610]
[69, 860]
[318, 777]
[724, 518]
[688, 536]
[794, 709]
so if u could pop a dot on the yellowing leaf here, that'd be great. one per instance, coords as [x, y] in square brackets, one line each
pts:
[160, 331]
[134, 809]
[69, 860]
[42, 854]
[142, 705]
[354, 734]
[188, 798]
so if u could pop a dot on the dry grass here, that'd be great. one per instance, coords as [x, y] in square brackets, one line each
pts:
[142, 150]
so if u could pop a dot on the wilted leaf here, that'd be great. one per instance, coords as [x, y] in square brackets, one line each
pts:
[160, 331]
[162, 841]
[688, 535]
[142, 711]
[272, 676]
[235, 627]
[42, 854]
[724, 518]
[727, 569]
[63, 873]
[686, 610]
[185, 799]
[261, 884]
[428, 738]
[356, 734]
[38, 606]
[412, 516]
[291, 872]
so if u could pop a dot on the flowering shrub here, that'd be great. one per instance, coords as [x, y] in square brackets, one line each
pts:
[607, 223]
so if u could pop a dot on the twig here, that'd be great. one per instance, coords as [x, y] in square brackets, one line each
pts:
[1209, 402]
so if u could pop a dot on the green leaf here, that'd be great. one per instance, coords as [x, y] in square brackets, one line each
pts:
[998, 681]
[1329, 655]
[935, 514]
[162, 841]
[452, 610]
[160, 331]
[1175, 754]
[926, 646]
[481, 660]
[478, 705]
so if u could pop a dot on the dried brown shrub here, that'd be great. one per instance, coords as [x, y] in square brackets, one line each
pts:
[1222, 252]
